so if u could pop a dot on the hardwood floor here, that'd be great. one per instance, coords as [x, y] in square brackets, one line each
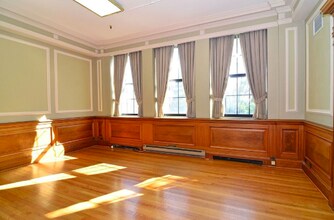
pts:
[101, 183]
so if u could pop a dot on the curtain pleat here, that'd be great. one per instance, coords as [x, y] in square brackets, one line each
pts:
[119, 69]
[136, 70]
[220, 61]
[254, 48]
[187, 60]
[163, 57]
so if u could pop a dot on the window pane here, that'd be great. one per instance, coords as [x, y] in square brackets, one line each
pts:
[175, 68]
[181, 90]
[172, 89]
[230, 105]
[231, 88]
[173, 106]
[243, 87]
[233, 67]
[252, 106]
[243, 105]
[182, 106]
[175, 90]
[241, 65]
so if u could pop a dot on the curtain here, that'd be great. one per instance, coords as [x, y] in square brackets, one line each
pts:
[254, 48]
[220, 60]
[187, 59]
[136, 70]
[163, 57]
[119, 69]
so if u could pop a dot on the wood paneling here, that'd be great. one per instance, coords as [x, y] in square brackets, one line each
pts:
[290, 139]
[240, 142]
[74, 133]
[19, 142]
[124, 132]
[318, 162]
[182, 135]
[29, 142]
[319, 154]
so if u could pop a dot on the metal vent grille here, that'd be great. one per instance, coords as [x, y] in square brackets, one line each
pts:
[317, 24]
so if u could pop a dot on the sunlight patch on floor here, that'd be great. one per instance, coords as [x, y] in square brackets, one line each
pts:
[162, 183]
[44, 179]
[98, 169]
[94, 203]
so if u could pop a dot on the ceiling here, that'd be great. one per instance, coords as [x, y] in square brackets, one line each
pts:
[141, 19]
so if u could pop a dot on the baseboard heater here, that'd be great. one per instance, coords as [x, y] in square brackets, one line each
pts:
[125, 147]
[257, 162]
[174, 150]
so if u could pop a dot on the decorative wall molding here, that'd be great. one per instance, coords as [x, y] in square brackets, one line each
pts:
[288, 63]
[48, 81]
[50, 40]
[308, 109]
[99, 85]
[56, 52]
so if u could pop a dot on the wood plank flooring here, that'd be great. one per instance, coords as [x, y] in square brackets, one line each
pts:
[101, 183]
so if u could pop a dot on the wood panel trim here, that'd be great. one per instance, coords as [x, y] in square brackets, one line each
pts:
[22, 143]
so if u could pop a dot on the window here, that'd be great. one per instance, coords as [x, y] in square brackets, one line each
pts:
[238, 97]
[128, 103]
[175, 101]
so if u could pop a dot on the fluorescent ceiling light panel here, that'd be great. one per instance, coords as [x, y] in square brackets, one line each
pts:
[101, 7]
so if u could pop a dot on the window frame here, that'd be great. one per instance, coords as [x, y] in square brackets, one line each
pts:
[178, 97]
[237, 95]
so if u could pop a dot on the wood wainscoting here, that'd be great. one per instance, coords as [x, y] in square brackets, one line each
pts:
[23, 143]
[318, 158]
[248, 139]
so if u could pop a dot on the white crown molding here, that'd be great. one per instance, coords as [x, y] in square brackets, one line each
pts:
[55, 57]
[199, 37]
[77, 37]
[271, 8]
[200, 28]
[50, 40]
[294, 30]
[48, 80]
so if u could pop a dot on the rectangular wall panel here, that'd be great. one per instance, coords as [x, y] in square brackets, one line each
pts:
[25, 75]
[73, 83]
[174, 134]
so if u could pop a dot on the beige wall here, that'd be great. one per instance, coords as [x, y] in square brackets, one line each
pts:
[319, 75]
[28, 87]
[25, 75]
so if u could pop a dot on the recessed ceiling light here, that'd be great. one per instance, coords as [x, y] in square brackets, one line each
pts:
[101, 7]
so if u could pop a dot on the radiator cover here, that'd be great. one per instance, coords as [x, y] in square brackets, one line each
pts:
[174, 150]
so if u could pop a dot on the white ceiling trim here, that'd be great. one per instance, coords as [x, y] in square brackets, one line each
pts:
[43, 38]
[279, 9]
[199, 37]
[57, 31]
[193, 28]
